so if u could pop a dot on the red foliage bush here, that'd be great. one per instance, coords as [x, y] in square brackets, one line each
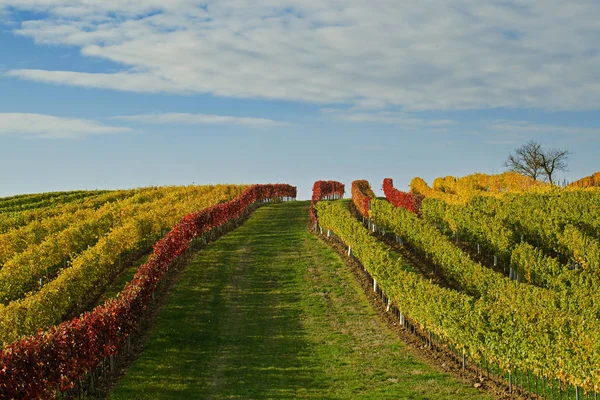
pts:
[361, 196]
[409, 201]
[325, 190]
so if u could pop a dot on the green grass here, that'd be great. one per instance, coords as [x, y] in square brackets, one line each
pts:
[269, 311]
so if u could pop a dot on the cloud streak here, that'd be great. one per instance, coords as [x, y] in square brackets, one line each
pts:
[52, 127]
[384, 117]
[200, 119]
[527, 127]
[429, 55]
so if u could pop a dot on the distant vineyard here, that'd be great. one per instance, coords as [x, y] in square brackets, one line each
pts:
[588, 181]
[16, 219]
[33, 201]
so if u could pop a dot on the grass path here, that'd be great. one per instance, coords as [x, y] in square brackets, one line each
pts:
[269, 311]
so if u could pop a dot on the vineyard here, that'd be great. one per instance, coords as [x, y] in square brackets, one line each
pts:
[499, 273]
[530, 310]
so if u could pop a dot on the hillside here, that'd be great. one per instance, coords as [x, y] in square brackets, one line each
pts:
[269, 311]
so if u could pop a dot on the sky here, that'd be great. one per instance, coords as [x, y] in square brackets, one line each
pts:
[106, 94]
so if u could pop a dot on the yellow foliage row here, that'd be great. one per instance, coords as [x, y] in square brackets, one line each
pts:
[41, 200]
[15, 220]
[91, 270]
[460, 190]
[22, 272]
[588, 181]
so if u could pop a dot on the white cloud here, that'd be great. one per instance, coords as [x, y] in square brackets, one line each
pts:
[51, 127]
[431, 54]
[199, 119]
[531, 128]
[505, 132]
[386, 117]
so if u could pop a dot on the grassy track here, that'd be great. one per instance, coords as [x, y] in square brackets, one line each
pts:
[269, 311]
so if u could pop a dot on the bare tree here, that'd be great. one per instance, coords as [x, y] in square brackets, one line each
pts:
[526, 160]
[554, 160]
[533, 161]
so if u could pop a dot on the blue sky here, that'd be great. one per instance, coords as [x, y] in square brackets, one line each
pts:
[120, 94]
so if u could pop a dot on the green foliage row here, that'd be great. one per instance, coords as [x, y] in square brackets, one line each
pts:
[522, 331]
[565, 222]
[452, 262]
[472, 225]
[529, 262]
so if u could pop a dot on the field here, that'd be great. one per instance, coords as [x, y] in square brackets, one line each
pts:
[474, 288]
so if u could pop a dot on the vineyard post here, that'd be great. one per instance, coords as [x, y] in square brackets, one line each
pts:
[374, 285]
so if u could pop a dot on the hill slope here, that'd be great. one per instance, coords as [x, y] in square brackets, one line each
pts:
[269, 311]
